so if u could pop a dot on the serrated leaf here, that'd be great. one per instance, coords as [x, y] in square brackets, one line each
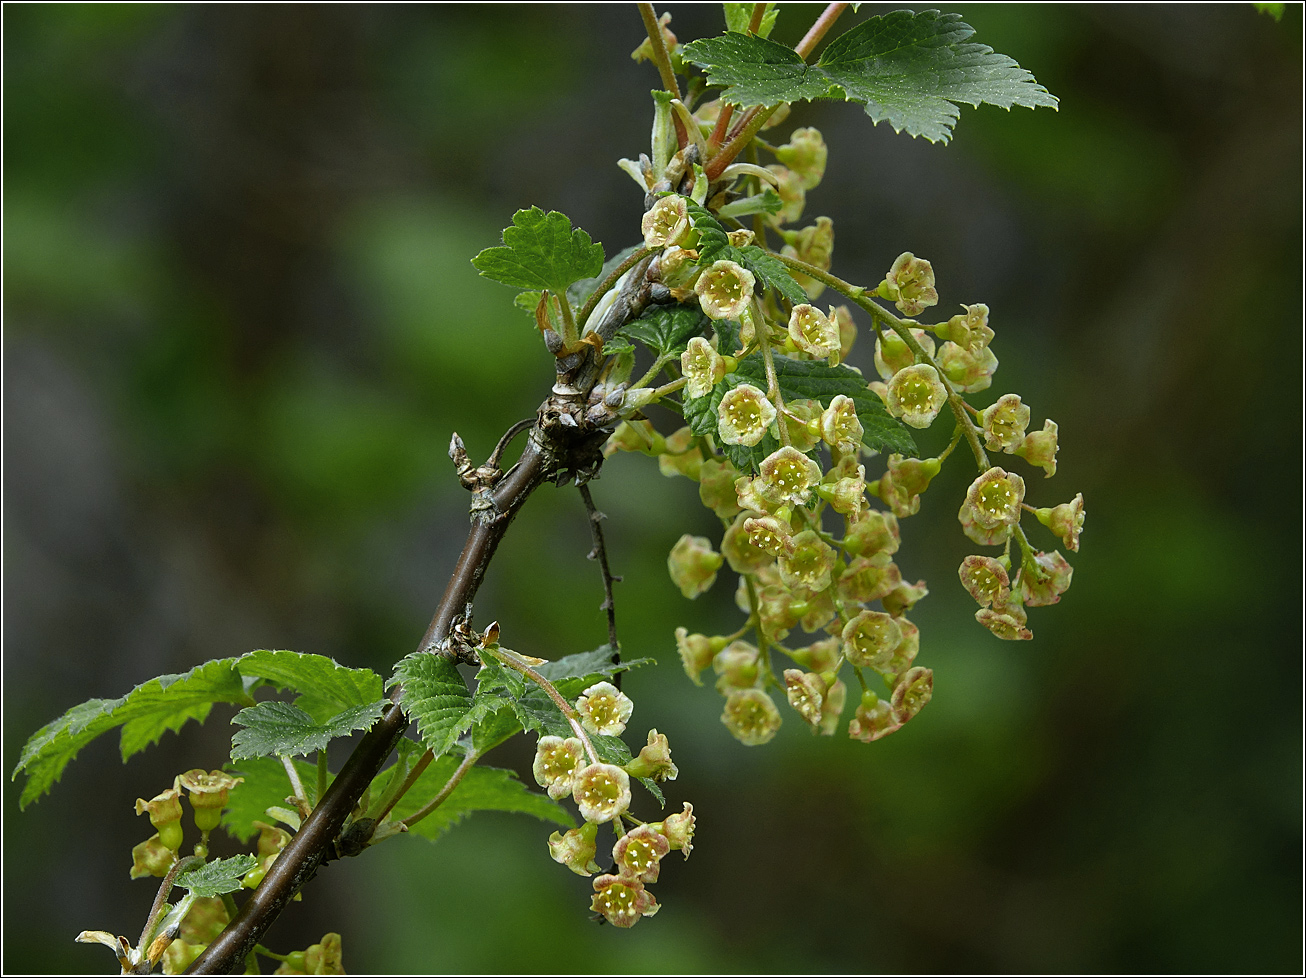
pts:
[527, 302]
[494, 675]
[265, 786]
[276, 729]
[163, 703]
[482, 789]
[495, 728]
[541, 251]
[908, 69]
[325, 687]
[435, 697]
[713, 241]
[666, 330]
[767, 202]
[740, 15]
[217, 877]
[772, 271]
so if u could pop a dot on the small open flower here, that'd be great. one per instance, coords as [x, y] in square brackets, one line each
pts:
[870, 639]
[789, 475]
[666, 222]
[165, 815]
[874, 719]
[737, 665]
[769, 534]
[812, 332]
[810, 564]
[902, 597]
[602, 792]
[968, 370]
[695, 653]
[654, 760]
[1040, 448]
[744, 416]
[724, 290]
[868, 578]
[806, 694]
[638, 853]
[152, 858]
[916, 395]
[622, 900]
[207, 794]
[874, 532]
[1004, 423]
[970, 330]
[693, 565]
[679, 829]
[910, 284]
[995, 498]
[1047, 589]
[840, 427]
[1008, 624]
[985, 536]
[805, 154]
[702, 367]
[751, 717]
[716, 487]
[575, 848]
[911, 694]
[847, 495]
[985, 579]
[756, 495]
[557, 761]
[604, 709]
[1066, 521]
[744, 558]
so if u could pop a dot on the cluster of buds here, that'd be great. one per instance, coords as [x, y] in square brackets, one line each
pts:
[601, 791]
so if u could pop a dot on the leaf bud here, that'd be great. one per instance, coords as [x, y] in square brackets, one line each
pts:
[556, 764]
[995, 498]
[575, 848]
[725, 290]
[917, 395]
[910, 284]
[968, 371]
[638, 853]
[1066, 521]
[751, 717]
[1040, 448]
[602, 792]
[654, 760]
[207, 794]
[622, 900]
[1051, 581]
[152, 858]
[805, 154]
[744, 416]
[693, 565]
[702, 367]
[874, 719]
[604, 709]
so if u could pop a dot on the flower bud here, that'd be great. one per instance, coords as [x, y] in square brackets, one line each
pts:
[325, 958]
[917, 395]
[696, 653]
[893, 354]
[911, 694]
[602, 792]
[725, 290]
[702, 367]
[622, 900]
[969, 371]
[756, 495]
[789, 475]
[1040, 448]
[847, 329]
[638, 853]
[693, 565]
[789, 185]
[180, 955]
[741, 238]
[874, 532]
[654, 760]
[165, 815]
[1045, 590]
[688, 463]
[575, 848]
[604, 709]
[985, 579]
[814, 333]
[1066, 521]
[207, 795]
[751, 717]
[798, 418]
[903, 597]
[777, 611]
[970, 330]
[645, 50]
[557, 762]
[666, 222]
[679, 271]
[1004, 423]
[206, 920]
[995, 498]
[818, 657]
[744, 416]
[634, 436]
[910, 284]
[716, 487]
[870, 639]
[152, 858]
[810, 564]
[832, 708]
[874, 719]
[805, 154]
[913, 475]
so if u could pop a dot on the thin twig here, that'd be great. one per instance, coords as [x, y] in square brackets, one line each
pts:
[506, 440]
[600, 554]
[160, 898]
[409, 781]
[454, 779]
[663, 62]
[301, 797]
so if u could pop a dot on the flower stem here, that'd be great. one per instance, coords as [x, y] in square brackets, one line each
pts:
[297, 786]
[772, 381]
[454, 779]
[662, 60]
[514, 661]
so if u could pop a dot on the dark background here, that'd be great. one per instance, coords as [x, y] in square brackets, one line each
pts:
[241, 323]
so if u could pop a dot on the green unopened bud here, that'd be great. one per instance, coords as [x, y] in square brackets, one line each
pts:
[968, 371]
[693, 565]
[152, 858]
[1066, 521]
[1004, 423]
[165, 815]
[207, 795]
[575, 848]
[913, 475]
[805, 154]
[622, 901]
[910, 284]
[751, 717]
[819, 657]
[725, 290]
[696, 652]
[744, 416]
[917, 395]
[1040, 448]
[639, 852]
[635, 436]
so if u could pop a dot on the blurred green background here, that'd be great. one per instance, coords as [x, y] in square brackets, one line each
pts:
[241, 323]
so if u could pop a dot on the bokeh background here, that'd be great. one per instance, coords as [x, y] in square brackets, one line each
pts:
[240, 323]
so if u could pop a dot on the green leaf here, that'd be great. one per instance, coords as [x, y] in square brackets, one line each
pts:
[908, 69]
[325, 687]
[218, 877]
[435, 697]
[772, 271]
[494, 675]
[713, 241]
[265, 785]
[163, 703]
[739, 15]
[527, 302]
[541, 251]
[666, 330]
[282, 730]
[482, 789]
[495, 728]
